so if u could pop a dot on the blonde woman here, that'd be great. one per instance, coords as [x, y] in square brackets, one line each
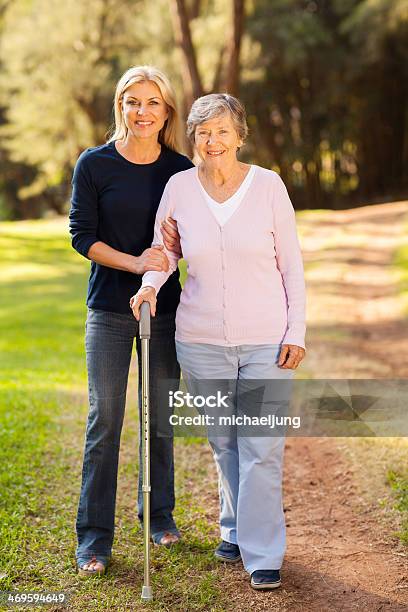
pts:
[117, 188]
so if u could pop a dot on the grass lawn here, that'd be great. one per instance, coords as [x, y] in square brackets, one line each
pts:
[43, 408]
[401, 262]
[398, 480]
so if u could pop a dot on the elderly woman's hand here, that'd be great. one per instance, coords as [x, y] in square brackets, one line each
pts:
[171, 237]
[290, 356]
[147, 294]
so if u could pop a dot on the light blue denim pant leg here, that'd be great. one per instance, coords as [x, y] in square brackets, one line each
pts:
[249, 468]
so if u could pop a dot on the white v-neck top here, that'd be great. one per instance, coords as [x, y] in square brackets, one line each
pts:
[245, 282]
[224, 210]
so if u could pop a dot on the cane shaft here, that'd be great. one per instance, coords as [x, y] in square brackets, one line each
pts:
[146, 462]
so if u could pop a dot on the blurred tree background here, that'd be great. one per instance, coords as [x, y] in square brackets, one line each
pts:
[324, 81]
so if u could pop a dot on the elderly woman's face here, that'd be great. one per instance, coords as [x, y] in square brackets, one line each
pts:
[217, 141]
[144, 110]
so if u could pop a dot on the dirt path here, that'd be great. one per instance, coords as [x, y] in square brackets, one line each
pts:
[341, 555]
[356, 324]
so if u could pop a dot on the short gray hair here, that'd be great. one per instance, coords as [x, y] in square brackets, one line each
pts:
[215, 105]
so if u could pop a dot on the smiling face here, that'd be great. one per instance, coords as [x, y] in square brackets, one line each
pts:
[217, 140]
[144, 109]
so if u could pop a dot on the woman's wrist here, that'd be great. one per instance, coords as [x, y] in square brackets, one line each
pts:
[143, 287]
[105, 255]
[135, 265]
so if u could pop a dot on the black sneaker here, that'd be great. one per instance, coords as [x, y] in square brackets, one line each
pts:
[227, 552]
[265, 579]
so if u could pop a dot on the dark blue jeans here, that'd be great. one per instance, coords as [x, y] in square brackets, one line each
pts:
[109, 343]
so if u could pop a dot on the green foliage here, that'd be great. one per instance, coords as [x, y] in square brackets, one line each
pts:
[299, 106]
[332, 127]
[61, 64]
[324, 82]
[375, 21]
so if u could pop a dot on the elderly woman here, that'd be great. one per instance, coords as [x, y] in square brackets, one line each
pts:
[117, 188]
[241, 314]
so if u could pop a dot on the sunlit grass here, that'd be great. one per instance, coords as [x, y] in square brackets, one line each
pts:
[401, 262]
[398, 474]
[399, 484]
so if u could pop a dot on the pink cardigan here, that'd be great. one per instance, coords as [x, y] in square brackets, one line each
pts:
[245, 282]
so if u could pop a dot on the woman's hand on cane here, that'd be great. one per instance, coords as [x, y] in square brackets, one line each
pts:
[147, 294]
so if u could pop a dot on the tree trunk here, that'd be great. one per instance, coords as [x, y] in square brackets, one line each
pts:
[231, 79]
[314, 195]
[182, 35]
[195, 9]
[218, 70]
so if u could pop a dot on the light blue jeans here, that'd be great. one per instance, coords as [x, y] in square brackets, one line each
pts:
[249, 468]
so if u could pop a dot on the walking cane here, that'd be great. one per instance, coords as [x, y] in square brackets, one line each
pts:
[144, 332]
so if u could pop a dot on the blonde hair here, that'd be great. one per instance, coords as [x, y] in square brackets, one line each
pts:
[169, 135]
[214, 105]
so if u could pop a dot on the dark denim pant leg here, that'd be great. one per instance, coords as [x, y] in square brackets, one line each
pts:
[163, 366]
[109, 341]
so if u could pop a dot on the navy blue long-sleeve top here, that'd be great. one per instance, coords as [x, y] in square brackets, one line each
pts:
[115, 201]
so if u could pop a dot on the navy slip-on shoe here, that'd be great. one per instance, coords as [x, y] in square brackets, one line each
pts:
[227, 552]
[265, 579]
